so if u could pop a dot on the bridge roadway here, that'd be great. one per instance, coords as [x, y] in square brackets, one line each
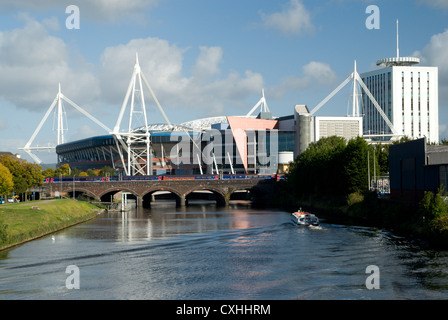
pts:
[261, 189]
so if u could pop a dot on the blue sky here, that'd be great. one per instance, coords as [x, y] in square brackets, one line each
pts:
[202, 57]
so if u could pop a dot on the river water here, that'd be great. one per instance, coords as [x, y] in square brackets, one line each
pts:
[204, 252]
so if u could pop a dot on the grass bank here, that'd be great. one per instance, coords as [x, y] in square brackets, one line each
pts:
[21, 222]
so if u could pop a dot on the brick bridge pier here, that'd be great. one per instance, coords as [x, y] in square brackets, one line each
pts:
[182, 190]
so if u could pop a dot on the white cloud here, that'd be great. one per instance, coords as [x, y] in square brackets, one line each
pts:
[314, 73]
[160, 61]
[320, 73]
[435, 54]
[32, 63]
[292, 20]
[207, 89]
[207, 64]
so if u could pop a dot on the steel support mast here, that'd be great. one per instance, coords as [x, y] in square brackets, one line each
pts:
[136, 143]
[355, 77]
[60, 112]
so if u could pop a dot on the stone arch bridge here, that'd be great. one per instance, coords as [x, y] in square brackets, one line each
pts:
[182, 191]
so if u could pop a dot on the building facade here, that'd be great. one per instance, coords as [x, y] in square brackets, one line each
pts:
[309, 128]
[408, 95]
[345, 127]
[416, 167]
[234, 146]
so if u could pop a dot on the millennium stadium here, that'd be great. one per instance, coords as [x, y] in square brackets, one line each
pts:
[257, 143]
[260, 144]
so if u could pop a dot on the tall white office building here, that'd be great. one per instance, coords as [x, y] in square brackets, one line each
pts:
[408, 95]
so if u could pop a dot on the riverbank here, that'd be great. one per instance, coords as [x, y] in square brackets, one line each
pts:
[22, 222]
[403, 219]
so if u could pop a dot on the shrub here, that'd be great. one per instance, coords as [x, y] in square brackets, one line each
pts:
[355, 197]
[434, 211]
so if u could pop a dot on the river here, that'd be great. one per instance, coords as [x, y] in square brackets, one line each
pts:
[204, 252]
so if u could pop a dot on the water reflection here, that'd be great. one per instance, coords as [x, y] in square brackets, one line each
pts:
[205, 252]
[142, 224]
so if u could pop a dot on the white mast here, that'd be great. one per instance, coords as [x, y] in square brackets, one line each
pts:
[60, 117]
[261, 103]
[60, 120]
[137, 143]
[355, 112]
[398, 50]
[354, 76]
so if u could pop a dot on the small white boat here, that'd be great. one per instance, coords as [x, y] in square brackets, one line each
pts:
[305, 218]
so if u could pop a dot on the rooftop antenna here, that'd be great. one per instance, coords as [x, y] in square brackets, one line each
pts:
[398, 49]
[398, 61]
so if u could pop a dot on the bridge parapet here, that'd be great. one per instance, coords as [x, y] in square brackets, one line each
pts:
[180, 188]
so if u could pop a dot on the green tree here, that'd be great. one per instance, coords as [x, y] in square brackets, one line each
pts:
[34, 176]
[49, 172]
[63, 170]
[75, 172]
[319, 168]
[25, 175]
[6, 181]
[107, 172]
[331, 166]
[382, 158]
[356, 172]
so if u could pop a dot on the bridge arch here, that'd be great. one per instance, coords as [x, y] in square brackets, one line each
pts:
[206, 193]
[108, 194]
[161, 195]
[245, 194]
[81, 193]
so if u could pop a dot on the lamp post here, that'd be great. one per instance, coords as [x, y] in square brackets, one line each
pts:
[368, 168]
[74, 198]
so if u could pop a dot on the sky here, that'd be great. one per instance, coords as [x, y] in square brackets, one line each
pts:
[202, 58]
